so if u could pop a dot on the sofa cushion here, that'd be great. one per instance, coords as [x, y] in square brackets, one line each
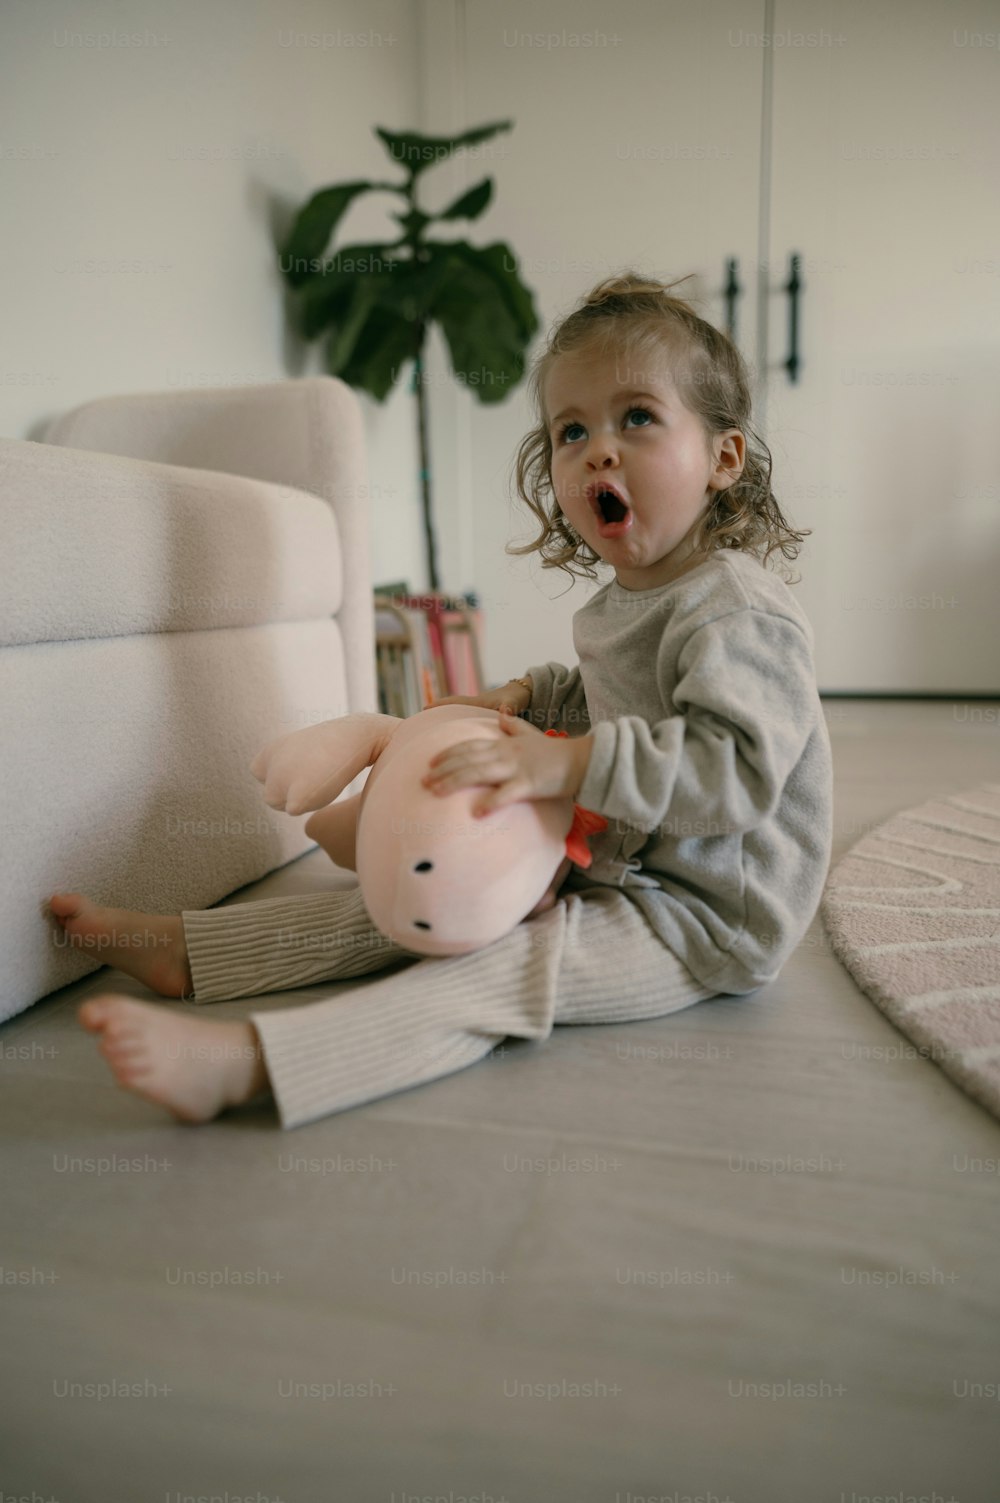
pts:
[100, 546]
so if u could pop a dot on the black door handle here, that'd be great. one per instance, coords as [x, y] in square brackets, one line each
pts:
[732, 291]
[793, 287]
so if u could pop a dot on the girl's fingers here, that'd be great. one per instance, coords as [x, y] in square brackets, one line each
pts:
[453, 756]
[465, 777]
[457, 758]
[512, 792]
[444, 769]
[482, 769]
[511, 723]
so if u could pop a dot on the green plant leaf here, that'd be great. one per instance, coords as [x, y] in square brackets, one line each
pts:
[416, 152]
[314, 224]
[326, 297]
[482, 335]
[498, 262]
[415, 285]
[471, 204]
[413, 220]
[344, 338]
[405, 287]
[389, 343]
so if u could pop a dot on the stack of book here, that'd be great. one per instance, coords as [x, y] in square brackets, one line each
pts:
[427, 647]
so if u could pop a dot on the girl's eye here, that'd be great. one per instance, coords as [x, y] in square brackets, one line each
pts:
[566, 431]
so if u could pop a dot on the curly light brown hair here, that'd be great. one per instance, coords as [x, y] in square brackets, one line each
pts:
[638, 316]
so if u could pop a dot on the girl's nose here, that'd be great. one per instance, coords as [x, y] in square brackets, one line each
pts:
[601, 450]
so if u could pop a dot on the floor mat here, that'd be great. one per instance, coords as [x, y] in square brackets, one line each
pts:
[913, 912]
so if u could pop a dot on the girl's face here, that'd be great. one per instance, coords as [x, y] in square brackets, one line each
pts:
[615, 425]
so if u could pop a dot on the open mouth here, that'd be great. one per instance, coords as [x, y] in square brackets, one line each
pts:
[613, 515]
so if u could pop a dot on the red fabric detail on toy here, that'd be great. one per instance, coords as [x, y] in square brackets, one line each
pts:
[585, 823]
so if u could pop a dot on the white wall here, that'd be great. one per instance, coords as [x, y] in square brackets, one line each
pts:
[152, 157]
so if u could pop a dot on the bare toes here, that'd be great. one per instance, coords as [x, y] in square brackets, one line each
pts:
[93, 1013]
[66, 904]
[122, 1049]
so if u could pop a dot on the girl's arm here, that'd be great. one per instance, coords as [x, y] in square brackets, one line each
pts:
[550, 695]
[558, 702]
[513, 698]
[746, 704]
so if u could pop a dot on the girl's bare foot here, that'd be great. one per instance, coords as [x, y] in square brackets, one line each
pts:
[148, 946]
[196, 1069]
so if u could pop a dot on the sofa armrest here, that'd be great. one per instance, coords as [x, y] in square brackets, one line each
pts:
[307, 434]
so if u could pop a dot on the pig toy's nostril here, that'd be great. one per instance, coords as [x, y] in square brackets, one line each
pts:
[419, 924]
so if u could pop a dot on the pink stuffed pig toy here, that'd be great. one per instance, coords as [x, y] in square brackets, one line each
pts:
[433, 877]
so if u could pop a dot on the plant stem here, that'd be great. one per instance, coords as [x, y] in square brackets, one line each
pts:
[412, 238]
[425, 460]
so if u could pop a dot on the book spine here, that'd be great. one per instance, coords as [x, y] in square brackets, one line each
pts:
[440, 661]
[458, 627]
[452, 652]
[380, 680]
[439, 657]
[411, 669]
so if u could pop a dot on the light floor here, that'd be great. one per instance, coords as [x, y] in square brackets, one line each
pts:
[581, 1270]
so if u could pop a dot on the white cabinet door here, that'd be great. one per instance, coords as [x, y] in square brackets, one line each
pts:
[885, 172]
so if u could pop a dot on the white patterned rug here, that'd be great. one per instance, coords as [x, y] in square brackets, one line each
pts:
[913, 912]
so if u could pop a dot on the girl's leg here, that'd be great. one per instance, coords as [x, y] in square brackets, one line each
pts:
[244, 949]
[248, 948]
[592, 958]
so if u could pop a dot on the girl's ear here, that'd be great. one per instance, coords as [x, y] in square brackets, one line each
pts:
[730, 450]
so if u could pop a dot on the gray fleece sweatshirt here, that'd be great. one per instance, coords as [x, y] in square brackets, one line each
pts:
[711, 761]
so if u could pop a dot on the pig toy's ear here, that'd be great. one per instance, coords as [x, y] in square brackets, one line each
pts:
[307, 769]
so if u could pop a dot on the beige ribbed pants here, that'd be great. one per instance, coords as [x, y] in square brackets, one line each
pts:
[592, 958]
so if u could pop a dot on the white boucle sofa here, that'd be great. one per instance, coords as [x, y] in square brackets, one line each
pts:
[184, 575]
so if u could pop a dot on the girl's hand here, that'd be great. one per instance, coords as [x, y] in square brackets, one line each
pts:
[509, 699]
[520, 764]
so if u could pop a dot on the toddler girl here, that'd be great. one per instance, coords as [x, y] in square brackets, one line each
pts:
[694, 726]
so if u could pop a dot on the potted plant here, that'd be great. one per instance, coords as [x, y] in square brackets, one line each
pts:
[378, 301]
